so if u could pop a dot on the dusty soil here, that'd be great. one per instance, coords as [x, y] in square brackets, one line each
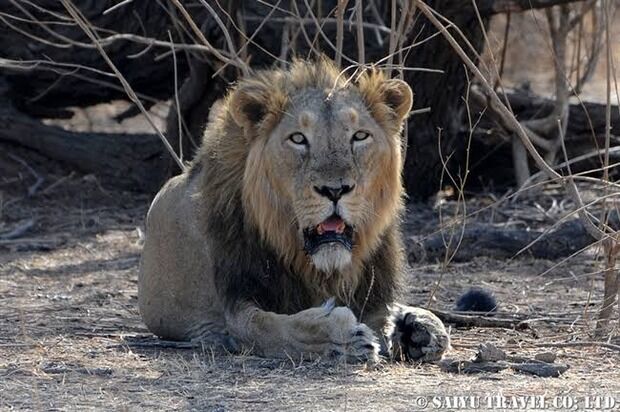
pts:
[69, 325]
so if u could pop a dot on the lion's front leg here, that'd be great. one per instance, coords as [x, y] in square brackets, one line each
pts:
[327, 331]
[417, 335]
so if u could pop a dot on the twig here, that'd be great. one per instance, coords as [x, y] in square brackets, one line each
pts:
[32, 190]
[57, 183]
[359, 19]
[307, 21]
[250, 40]
[117, 6]
[342, 4]
[320, 31]
[235, 62]
[19, 230]
[577, 345]
[397, 32]
[229, 41]
[163, 344]
[176, 98]
[479, 321]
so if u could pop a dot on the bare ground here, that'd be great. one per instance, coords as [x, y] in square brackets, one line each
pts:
[69, 319]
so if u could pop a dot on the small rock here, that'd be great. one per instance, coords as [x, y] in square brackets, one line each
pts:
[547, 357]
[487, 352]
[544, 370]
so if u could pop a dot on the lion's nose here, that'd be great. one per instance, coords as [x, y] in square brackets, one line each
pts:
[334, 193]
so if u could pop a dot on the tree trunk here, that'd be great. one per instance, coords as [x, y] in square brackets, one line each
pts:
[443, 94]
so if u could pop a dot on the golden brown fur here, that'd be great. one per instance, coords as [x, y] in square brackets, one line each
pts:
[239, 219]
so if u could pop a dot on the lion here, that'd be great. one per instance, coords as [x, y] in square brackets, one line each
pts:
[283, 236]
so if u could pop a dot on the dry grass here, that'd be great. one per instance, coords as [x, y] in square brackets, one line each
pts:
[69, 318]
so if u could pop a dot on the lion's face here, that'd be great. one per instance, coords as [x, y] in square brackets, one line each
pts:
[324, 178]
[325, 158]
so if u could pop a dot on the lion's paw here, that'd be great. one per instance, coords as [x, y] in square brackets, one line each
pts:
[350, 340]
[417, 335]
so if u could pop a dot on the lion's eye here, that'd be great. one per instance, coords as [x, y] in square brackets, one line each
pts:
[298, 138]
[360, 135]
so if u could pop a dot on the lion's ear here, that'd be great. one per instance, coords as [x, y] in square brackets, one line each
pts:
[248, 105]
[387, 99]
[398, 96]
[258, 102]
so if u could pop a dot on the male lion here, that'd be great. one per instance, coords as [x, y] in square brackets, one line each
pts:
[283, 237]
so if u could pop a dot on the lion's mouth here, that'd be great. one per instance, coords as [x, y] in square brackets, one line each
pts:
[331, 230]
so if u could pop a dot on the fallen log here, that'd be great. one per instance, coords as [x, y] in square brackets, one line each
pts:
[501, 243]
[127, 161]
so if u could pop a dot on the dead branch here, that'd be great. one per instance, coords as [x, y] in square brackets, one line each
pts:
[56, 75]
[361, 47]
[479, 321]
[490, 7]
[612, 244]
[515, 126]
[19, 230]
[585, 344]
[32, 190]
[596, 228]
[490, 358]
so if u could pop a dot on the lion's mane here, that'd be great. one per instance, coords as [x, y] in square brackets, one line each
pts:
[255, 252]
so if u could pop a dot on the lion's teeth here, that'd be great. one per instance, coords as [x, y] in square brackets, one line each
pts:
[331, 226]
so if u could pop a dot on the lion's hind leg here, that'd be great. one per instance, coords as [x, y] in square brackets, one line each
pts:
[417, 335]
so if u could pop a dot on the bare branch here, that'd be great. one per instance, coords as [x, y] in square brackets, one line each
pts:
[359, 16]
[83, 23]
[236, 62]
[342, 4]
[489, 7]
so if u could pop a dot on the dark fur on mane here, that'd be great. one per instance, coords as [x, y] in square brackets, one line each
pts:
[248, 270]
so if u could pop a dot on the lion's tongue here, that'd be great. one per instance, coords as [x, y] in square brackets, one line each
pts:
[332, 224]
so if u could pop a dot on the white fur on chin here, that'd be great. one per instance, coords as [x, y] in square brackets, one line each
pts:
[331, 257]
